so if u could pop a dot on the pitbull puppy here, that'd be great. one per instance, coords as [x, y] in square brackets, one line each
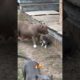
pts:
[45, 41]
[31, 71]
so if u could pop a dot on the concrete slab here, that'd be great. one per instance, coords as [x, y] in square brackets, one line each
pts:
[42, 12]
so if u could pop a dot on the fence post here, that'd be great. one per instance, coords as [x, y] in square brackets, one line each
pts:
[61, 12]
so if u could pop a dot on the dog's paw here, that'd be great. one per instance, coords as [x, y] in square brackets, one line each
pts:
[34, 46]
[45, 46]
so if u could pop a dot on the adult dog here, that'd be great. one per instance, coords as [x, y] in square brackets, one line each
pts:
[33, 31]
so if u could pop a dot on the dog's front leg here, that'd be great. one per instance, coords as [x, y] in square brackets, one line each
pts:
[34, 42]
[45, 46]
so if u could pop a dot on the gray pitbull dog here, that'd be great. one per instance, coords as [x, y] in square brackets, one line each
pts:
[32, 73]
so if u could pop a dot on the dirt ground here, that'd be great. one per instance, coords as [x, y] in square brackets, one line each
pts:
[49, 57]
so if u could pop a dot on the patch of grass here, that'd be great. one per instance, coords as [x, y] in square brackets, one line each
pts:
[20, 67]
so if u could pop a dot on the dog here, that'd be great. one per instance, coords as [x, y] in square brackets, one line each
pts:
[33, 31]
[45, 41]
[31, 71]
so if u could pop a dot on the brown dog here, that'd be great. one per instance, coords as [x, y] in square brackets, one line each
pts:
[33, 31]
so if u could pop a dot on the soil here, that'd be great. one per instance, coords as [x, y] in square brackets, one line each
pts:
[49, 57]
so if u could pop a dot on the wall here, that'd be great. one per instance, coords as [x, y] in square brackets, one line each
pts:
[71, 26]
[75, 2]
[30, 5]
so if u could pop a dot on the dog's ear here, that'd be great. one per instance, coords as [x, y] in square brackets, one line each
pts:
[39, 66]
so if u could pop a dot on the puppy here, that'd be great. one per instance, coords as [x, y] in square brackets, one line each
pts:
[45, 41]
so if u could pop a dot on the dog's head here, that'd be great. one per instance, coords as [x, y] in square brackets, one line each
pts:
[43, 29]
